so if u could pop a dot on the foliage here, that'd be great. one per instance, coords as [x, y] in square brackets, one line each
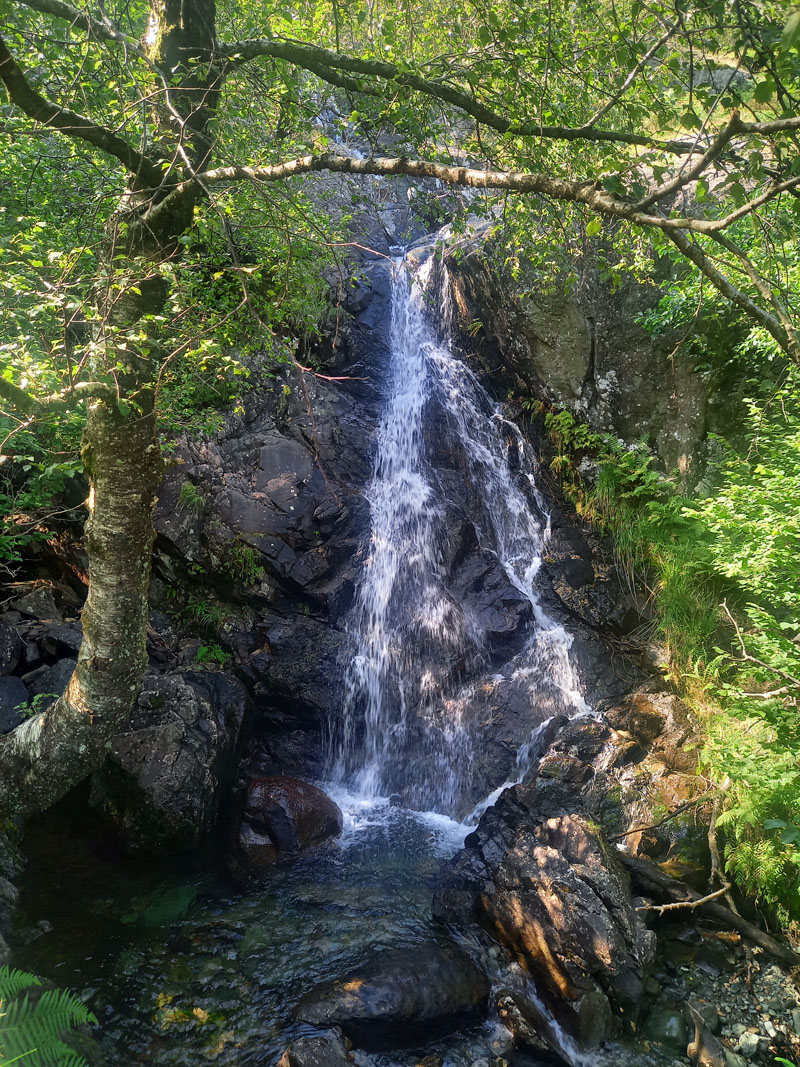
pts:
[212, 653]
[242, 564]
[32, 1029]
[191, 498]
[208, 613]
[724, 574]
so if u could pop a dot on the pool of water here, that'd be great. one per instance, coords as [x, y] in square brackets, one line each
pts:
[183, 966]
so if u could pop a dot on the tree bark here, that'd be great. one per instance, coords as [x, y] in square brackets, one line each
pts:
[47, 755]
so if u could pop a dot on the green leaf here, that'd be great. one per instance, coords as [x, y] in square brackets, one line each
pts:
[593, 227]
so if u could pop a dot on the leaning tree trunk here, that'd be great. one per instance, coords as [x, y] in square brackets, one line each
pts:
[44, 757]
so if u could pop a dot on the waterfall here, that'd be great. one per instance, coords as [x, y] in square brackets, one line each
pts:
[422, 651]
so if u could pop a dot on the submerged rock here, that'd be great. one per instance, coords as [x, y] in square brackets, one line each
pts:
[401, 998]
[283, 815]
[327, 1050]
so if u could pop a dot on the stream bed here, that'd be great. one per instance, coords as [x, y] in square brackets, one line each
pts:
[183, 966]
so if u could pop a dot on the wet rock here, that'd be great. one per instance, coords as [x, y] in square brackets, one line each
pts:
[166, 775]
[281, 816]
[401, 998]
[14, 700]
[663, 721]
[327, 1050]
[10, 648]
[540, 877]
[668, 1027]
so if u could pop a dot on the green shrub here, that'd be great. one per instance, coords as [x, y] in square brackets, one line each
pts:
[724, 577]
[191, 498]
[242, 564]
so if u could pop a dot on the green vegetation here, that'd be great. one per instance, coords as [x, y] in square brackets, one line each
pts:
[191, 498]
[212, 653]
[33, 1029]
[723, 574]
[242, 564]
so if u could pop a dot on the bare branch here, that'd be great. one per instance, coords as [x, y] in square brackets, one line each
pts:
[70, 123]
[686, 904]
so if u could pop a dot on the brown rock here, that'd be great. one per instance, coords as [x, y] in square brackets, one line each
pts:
[283, 815]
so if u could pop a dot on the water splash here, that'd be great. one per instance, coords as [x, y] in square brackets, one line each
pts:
[422, 651]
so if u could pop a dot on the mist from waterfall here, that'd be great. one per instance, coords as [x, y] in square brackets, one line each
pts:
[421, 652]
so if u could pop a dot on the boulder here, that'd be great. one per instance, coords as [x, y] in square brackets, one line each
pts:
[14, 700]
[10, 648]
[48, 682]
[166, 775]
[282, 816]
[402, 997]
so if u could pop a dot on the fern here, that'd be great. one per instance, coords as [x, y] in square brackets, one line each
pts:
[31, 1032]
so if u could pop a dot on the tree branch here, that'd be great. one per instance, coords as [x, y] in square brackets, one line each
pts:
[26, 404]
[103, 29]
[771, 324]
[322, 61]
[72, 124]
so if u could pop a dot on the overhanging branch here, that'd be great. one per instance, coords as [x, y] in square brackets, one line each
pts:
[103, 28]
[26, 404]
[71, 123]
[323, 61]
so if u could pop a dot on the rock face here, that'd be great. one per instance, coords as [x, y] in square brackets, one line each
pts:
[281, 816]
[587, 351]
[167, 774]
[401, 998]
[541, 875]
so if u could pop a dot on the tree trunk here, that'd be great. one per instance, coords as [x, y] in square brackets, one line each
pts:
[50, 753]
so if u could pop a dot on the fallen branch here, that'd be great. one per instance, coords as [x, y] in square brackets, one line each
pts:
[654, 880]
[689, 905]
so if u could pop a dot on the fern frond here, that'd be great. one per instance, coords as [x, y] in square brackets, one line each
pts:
[14, 982]
[32, 1032]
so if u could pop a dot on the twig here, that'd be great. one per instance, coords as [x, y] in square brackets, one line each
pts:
[690, 905]
[673, 814]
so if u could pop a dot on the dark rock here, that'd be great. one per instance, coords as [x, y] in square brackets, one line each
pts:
[166, 775]
[10, 648]
[14, 697]
[327, 1050]
[667, 1026]
[49, 682]
[281, 816]
[401, 998]
[63, 639]
[38, 602]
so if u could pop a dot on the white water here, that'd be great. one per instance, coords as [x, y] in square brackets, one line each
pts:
[421, 653]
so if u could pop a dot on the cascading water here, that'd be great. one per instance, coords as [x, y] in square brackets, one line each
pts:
[422, 652]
